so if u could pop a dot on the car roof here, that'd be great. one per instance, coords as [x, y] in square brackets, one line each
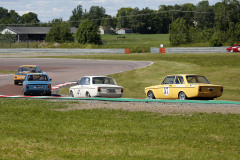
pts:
[184, 75]
[94, 76]
[37, 74]
[28, 66]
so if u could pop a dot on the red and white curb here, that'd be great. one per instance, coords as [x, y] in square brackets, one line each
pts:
[62, 85]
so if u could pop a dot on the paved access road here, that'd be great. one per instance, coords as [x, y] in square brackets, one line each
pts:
[62, 70]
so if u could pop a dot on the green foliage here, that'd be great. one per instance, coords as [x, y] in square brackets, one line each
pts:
[76, 17]
[8, 38]
[178, 33]
[87, 32]
[217, 39]
[60, 32]
[30, 19]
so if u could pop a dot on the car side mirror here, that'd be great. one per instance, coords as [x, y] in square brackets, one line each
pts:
[50, 79]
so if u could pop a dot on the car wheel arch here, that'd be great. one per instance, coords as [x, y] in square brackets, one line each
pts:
[182, 92]
[152, 95]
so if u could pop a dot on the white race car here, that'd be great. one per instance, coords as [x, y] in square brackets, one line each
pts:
[96, 86]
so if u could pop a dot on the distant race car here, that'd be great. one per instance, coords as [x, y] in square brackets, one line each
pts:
[23, 70]
[184, 86]
[37, 84]
[234, 48]
[96, 86]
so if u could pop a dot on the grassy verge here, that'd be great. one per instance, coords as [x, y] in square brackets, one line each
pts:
[222, 69]
[36, 129]
[7, 71]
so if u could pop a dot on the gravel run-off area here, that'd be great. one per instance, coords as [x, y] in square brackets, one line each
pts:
[156, 107]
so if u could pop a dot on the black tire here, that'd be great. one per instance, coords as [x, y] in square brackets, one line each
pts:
[25, 94]
[71, 94]
[182, 96]
[16, 83]
[88, 95]
[150, 95]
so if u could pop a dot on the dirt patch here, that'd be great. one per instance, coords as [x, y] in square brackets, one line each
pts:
[156, 107]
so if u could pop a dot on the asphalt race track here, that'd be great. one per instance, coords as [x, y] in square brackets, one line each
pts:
[62, 70]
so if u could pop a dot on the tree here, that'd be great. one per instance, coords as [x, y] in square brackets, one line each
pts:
[107, 22]
[30, 19]
[95, 14]
[179, 32]
[60, 32]
[122, 17]
[76, 17]
[14, 17]
[87, 32]
[217, 39]
[204, 16]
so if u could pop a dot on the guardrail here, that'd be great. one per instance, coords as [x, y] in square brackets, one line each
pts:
[117, 51]
[189, 50]
[66, 51]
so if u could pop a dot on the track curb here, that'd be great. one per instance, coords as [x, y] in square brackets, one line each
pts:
[124, 99]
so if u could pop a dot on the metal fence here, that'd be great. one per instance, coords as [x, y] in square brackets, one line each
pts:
[191, 50]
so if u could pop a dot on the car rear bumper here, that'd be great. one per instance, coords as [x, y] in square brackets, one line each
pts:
[38, 92]
[107, 95]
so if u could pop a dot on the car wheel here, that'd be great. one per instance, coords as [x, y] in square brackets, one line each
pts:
[71, 94]
[88, 95]
[25, 94]
[16, 83]
[231, 50]
[150, 95]
[182, 96]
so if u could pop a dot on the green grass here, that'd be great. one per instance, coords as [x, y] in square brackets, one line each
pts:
[36, 129]
[7, 71]
[222, 69]
[138, 43]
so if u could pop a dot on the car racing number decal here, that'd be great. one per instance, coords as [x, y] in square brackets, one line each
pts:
[166, 91]
[78, 92]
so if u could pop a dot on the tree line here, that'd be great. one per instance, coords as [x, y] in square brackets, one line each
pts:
[186, 23]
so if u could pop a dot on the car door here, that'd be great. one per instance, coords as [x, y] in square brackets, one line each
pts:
[83, 87]
[166, 87]
[177, 86]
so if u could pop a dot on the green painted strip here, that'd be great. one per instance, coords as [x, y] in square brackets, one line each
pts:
[136, 100]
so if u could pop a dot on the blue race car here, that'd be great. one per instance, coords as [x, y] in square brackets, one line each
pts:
[37, 84]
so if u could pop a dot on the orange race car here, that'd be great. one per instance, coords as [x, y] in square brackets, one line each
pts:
[23, 70]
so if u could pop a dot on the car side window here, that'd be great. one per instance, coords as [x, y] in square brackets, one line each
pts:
[179, 80]
[82, 81]
[85, 81]
[169, 80]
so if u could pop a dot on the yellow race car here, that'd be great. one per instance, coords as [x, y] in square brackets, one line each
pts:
[184, 86]
[23, 70]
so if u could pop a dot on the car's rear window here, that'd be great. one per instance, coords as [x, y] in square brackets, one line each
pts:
[103, 80]
[197, 79]
[27, 69]
[37, 78]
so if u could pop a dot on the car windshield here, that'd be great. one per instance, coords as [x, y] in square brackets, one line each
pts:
[37, 78]
[197, 79]
[27, 69]
[103, 80]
